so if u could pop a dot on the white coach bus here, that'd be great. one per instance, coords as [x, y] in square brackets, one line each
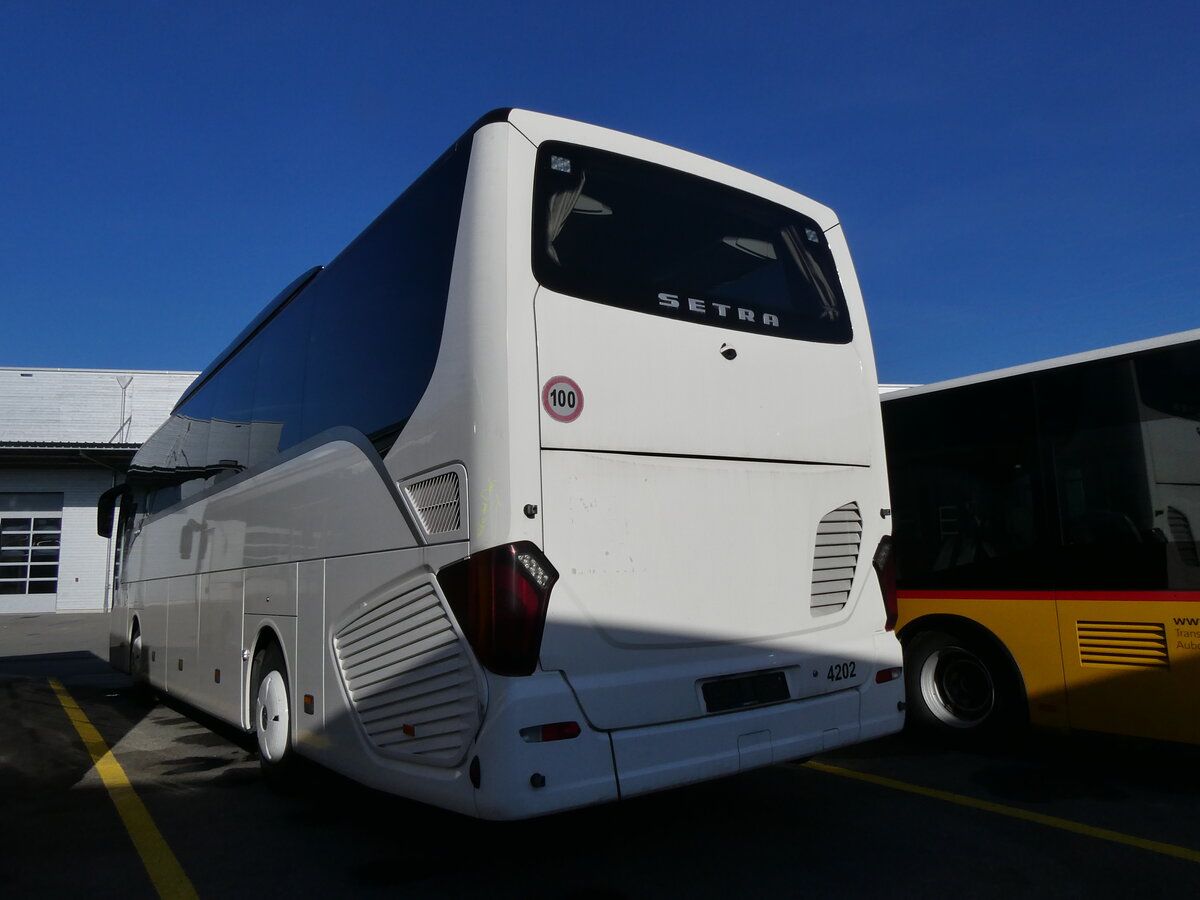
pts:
[564, 482]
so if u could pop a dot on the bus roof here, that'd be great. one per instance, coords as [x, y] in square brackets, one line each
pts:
[1134, 347]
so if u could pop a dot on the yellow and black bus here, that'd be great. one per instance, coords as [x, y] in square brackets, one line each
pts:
[1045, 527]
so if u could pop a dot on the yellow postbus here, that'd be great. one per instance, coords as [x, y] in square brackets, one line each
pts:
[1045, 528]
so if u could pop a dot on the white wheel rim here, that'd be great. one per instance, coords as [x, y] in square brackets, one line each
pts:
[135, 655]
[957, 687]
[271, 720]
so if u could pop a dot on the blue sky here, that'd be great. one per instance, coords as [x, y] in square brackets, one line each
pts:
[1017, 180]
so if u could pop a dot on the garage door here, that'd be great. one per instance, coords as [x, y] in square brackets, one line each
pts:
[30, 541]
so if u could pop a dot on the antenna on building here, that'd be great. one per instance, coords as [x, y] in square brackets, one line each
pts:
[123, 428]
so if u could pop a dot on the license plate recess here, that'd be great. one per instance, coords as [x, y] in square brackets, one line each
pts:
[741, 691]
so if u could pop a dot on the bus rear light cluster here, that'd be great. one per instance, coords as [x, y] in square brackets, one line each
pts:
[885, 567]
[534, 569]
[499, 597]
[555, 731]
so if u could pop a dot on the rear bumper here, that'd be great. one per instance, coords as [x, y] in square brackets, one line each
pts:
[664, 756]
[519, 779]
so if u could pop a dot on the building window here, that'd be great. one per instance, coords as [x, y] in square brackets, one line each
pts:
[30, 541]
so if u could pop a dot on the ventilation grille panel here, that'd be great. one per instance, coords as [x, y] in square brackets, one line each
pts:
[1137, 645]
[410, 679]
[835, 556]
[435, 500]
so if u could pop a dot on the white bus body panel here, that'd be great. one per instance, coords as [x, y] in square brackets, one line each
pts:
[681, 507]
[675, 571]
[657, 385]
[481, 406]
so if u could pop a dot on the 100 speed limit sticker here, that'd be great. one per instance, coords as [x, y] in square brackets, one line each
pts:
[562, 399]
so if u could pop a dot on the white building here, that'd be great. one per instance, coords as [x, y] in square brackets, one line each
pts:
[66, 436]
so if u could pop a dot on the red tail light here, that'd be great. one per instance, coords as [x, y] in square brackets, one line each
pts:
[554, 731]
[883, 676]
[885, 568]
[499, 597]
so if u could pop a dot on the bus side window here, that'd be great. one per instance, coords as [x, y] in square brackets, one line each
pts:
[1099, 478]
[970, 511]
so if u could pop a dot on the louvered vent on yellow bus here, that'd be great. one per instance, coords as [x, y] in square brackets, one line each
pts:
[436, 500]
[1124, 644]
[835, 556]
[410, 679]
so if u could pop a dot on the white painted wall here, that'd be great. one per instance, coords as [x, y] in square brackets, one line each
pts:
[85, 405]
[71, 406]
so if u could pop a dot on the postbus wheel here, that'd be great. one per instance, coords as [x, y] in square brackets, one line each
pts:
[271, 713]
[959, 686]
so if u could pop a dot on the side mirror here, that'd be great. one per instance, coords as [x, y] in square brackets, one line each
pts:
[105, 508]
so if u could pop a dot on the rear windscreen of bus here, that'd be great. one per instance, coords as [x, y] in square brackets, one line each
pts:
[640, 236]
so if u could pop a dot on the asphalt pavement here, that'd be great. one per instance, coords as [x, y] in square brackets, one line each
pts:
[1042, 816]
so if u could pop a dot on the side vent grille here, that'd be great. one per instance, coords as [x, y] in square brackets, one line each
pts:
[1136, 645]
[436, 501]
[835, 557]
[410, 679]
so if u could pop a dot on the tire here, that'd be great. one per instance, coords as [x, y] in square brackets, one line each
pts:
[271, 712]
[960, 687]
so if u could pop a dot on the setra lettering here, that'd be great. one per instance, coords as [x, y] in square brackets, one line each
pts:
[723, 310]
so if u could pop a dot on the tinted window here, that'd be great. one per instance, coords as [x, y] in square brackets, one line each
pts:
[377, 312]
[1098, 473]
[356, 347]
[648, 238]
[970, 512]
[1169, 392]
[231, 394]
[1169, 382]
[1101, 492]
[279, 385]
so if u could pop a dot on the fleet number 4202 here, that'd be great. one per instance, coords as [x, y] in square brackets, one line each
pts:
[840, 671]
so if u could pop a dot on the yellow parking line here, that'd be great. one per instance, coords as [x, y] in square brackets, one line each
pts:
[1103, 834]
[161, 865]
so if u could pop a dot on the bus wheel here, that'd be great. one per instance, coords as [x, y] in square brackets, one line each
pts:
[958, 686]
[272, 712]
[137, 659]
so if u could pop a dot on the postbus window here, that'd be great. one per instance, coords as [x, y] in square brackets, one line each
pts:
[970, 511]
[1105, 519]
[1169, 393]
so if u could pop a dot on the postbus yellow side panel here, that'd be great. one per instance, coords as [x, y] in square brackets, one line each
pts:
[1132, 666]
[1028, 628]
